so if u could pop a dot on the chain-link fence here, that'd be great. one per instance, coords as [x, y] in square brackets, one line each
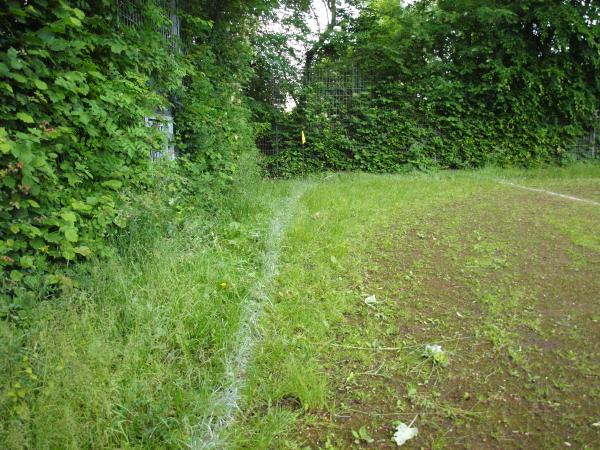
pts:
[336, 86]
[130, 13]
[269, 142]
[587, 147]
[332, 87]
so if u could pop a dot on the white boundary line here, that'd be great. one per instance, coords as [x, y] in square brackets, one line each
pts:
[556, 194]
[225, 403]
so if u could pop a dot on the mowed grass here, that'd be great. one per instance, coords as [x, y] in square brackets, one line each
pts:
[132, 357]
[507, 281]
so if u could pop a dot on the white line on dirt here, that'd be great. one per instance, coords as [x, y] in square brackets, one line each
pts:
[226, 402]
[556, 194]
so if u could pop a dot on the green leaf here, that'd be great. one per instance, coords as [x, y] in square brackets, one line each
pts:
[10, 182]
[24, 117]
[37, 243]
[40, 85]
[7, 87]
[15, 275]
[68, 216]
[364, 435]
[52, 279]
[78, 205]
[19, 78]
[26, 261]
[96, 74]
[79, 13]
[67, 252]
[112, 184]
[74, 21]
[117, 47]
[83, 250]
[5, 144]
[71, 234]
[46, 36]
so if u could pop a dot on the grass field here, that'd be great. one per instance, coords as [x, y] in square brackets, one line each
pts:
[506, 280]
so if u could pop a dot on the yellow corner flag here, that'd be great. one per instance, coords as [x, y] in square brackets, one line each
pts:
[303, 138]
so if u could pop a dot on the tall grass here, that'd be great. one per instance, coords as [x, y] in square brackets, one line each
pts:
[130, 357]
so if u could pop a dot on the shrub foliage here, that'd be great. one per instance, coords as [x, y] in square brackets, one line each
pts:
[74, 147]
[453, 84]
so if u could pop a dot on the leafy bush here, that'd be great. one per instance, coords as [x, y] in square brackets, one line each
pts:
[453, 84]
[74, 146]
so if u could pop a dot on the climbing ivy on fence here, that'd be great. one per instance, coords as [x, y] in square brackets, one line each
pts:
[74, 146]
[453, 84]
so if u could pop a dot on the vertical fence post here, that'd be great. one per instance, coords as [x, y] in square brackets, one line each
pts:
[594, 134]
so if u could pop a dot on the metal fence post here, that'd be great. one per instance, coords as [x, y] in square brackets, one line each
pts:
[594, 134]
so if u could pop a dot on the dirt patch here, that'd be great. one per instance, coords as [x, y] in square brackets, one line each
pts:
[512, 299]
